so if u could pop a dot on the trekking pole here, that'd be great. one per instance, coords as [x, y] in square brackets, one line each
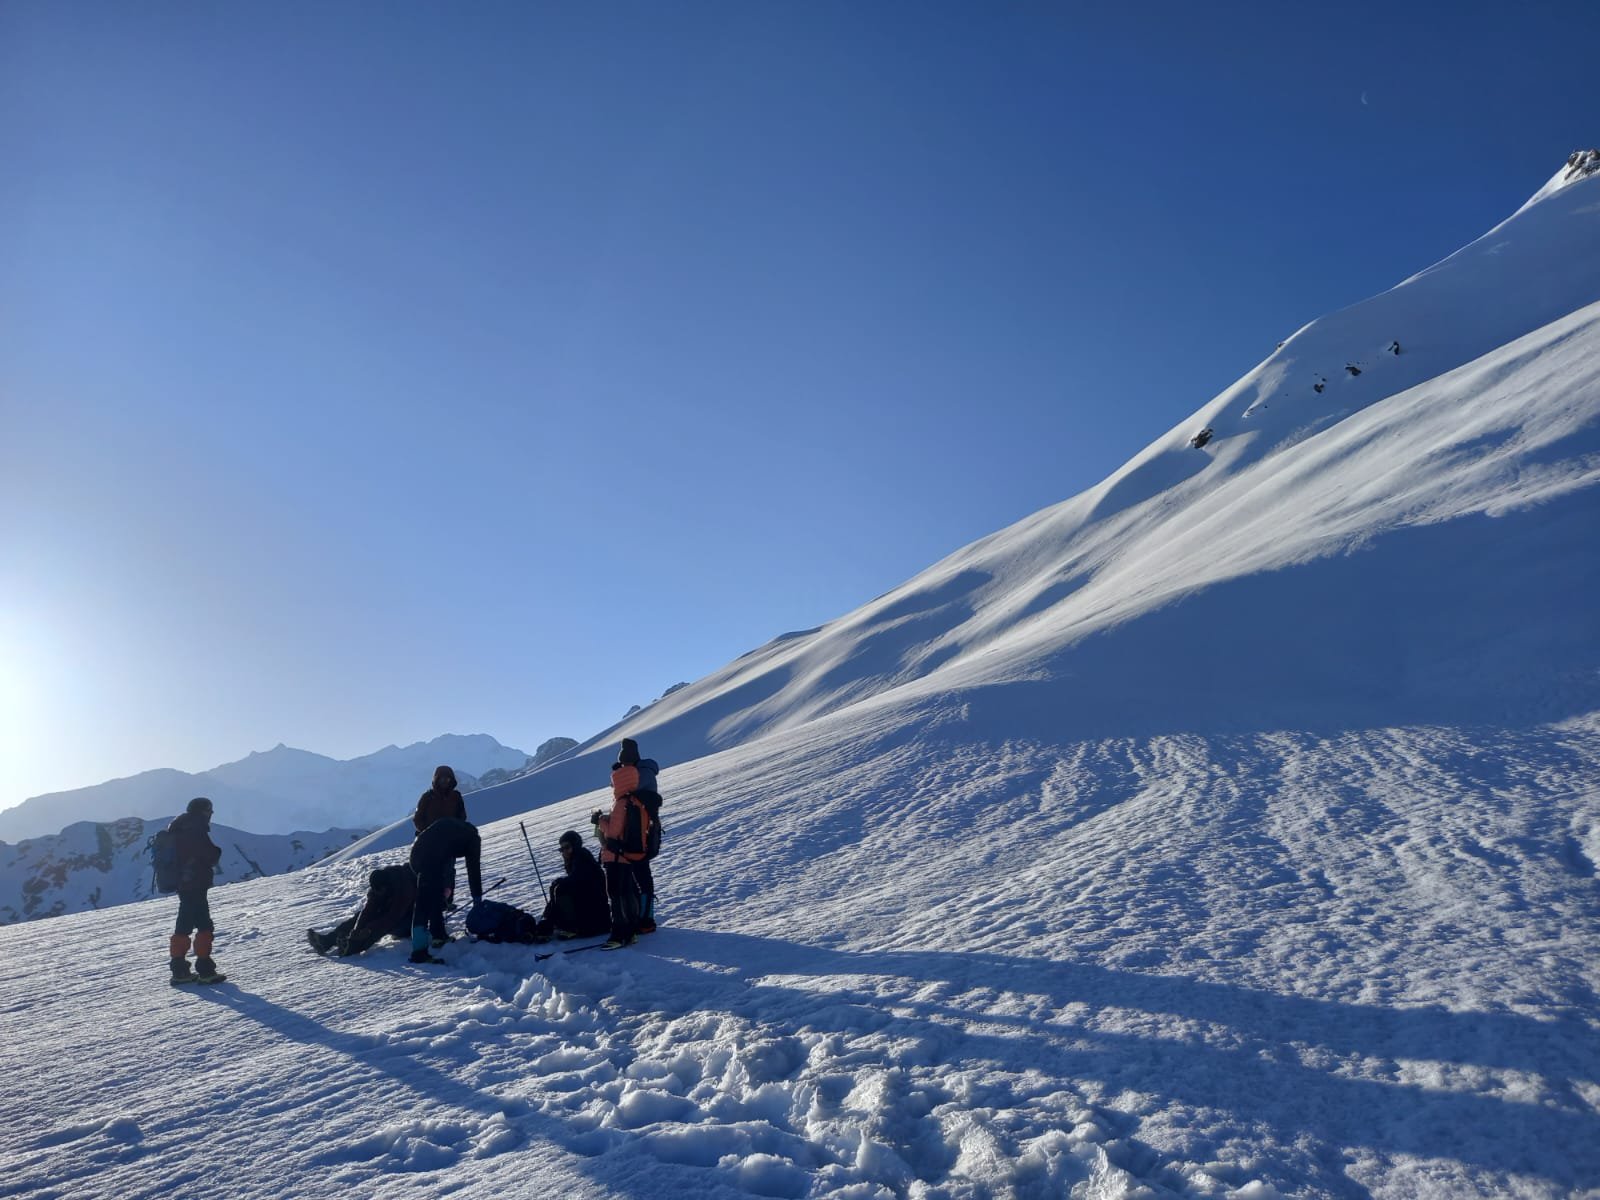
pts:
[535, 859]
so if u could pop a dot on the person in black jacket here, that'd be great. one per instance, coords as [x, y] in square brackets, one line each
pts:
[433, 859]
[578, 906]
[391, 897]
[198, 856]
[442, 799]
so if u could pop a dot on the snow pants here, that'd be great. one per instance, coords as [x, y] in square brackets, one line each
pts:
[647, 889]
[565, 913]
[428, 916]
[626, 896]
[194, 916]
[194, 913]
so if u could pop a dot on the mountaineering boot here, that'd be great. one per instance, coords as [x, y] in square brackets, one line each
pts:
[618, 943]
[647, 925]
[319, 942]
[178, 951]
[419, 946]
[205, 971]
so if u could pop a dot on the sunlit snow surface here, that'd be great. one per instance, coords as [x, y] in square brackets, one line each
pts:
[943, 965]
[1231, 832]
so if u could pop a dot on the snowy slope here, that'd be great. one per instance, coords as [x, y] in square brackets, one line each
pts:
[274, 791]
[1230, 830]
[100, 864]
[1410, 544]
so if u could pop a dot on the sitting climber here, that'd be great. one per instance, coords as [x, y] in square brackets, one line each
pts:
[578, 906]
[386, 912]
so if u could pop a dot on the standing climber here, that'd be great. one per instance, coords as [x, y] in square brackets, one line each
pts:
[625, 839]
[197, 858]
[442, 799]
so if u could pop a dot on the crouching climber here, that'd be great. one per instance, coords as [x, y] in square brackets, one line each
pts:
[386, 912]
[433, 859]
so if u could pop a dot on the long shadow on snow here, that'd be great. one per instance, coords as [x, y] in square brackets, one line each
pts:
[1256, 1077]
[370, 1053]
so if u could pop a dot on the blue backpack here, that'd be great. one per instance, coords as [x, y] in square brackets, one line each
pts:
[491, 921]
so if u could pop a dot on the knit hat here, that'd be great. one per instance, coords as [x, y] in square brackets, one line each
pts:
[628, 756]
[570, 838]
[200, 804]
[444, 777]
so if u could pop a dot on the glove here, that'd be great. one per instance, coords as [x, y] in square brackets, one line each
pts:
[595, 817]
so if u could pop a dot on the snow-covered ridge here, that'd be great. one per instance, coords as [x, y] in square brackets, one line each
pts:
[93, 865]
[1348, 505]
[1580, 165]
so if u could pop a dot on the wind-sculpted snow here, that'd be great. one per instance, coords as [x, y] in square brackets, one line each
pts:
[932, 964]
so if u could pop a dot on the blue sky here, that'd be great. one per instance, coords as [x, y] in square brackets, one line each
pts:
[374, 372]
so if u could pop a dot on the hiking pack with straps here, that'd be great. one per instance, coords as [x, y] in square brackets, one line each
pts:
[163, 848]
[641, 829]
[492, 921]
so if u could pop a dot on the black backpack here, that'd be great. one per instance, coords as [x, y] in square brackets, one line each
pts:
[652, 805]
[164, 855]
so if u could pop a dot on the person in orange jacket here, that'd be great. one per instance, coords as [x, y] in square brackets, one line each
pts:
[624, 835]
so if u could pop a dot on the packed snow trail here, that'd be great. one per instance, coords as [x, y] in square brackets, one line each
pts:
[1282, 964]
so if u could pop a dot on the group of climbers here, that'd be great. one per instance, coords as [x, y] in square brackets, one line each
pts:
[614, 896]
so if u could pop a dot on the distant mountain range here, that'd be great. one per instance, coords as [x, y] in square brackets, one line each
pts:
[276, 791]
[99, 864]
